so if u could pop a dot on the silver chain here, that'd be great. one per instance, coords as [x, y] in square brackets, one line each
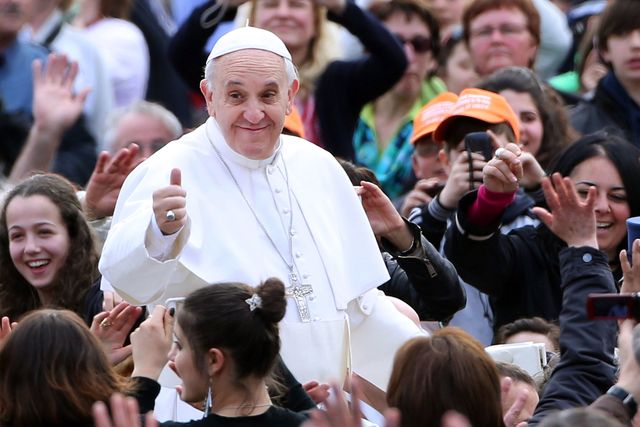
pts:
[290, 264]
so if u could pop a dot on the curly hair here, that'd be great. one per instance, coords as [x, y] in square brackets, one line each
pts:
[52, 370]
[74, 279]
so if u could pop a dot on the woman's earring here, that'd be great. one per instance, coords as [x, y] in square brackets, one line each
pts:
[208, 402]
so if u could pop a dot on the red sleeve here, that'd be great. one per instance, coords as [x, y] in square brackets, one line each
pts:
[488, 207]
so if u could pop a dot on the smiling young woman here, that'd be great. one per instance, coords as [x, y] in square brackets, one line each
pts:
[47, 252]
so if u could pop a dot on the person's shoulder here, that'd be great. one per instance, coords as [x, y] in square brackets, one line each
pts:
[30, 51]
[115, 29]
[282, 417]
[296, 146]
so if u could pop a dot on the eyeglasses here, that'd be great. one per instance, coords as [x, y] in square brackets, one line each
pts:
[504, 30]
[420, 44]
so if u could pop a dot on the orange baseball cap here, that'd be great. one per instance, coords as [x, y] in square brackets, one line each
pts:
[293, 123]
[430, 116]
[482, 105]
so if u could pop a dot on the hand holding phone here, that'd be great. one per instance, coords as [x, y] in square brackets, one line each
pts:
[479, 142]
[173, 304]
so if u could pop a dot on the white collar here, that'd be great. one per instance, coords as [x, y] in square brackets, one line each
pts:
[56, 18]
[217, 140]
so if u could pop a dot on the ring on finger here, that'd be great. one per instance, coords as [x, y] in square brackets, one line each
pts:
[499, 152]
[170, 215]
[106, 323]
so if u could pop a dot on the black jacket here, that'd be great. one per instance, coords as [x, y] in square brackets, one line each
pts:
[424, 279]
[432, 218]
[586, 369]
[519, 271]
[602, 111]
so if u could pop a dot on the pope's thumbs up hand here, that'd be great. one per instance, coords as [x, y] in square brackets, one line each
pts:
[170, 205]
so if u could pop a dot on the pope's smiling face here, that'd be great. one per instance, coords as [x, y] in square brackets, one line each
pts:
[249, 99]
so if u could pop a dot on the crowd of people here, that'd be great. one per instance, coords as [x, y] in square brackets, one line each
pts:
[319, 213]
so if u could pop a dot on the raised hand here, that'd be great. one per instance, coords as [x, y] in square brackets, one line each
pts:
[532, 172]
[106, 181]
[335, 6]
[572, 219]
[383, 217]
[628, 344]
[112, 329]
[124, 413]
[630, 273]
[339, 414]
[317, 391]
[512, 417]
[151, 344]
[460, 181]
[170, 205]
[5, 329]
[421, 194]
[503, 173]
[55, 105]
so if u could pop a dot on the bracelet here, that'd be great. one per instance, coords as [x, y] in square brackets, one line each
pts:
[412, 248]
[627, 399]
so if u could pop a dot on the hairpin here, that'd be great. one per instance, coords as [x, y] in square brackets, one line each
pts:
[254, 302]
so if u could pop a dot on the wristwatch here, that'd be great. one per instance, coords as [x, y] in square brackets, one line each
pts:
[627, 399]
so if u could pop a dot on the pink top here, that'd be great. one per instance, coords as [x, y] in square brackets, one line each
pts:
[488, 206]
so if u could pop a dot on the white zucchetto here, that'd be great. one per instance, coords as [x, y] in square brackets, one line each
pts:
[248, 38]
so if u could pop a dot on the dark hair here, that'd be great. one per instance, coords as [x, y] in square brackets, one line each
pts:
[219, 316]
[448, 371]
[537, 325]
[120, 9]
[357, 174]
[459, 127]
[557, 132]
[624, 156]
[52, 370]
[618, 18]
[478, 7]
[583, 417]
[516, 373]
[75, 277]
[385, 9]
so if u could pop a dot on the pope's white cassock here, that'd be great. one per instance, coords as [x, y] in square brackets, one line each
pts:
[254, 219]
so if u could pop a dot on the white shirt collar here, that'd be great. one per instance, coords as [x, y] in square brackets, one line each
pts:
[217, 140]
[56, 18]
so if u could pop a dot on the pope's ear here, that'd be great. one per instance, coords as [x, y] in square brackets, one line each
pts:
[291, 94]
[208, 96]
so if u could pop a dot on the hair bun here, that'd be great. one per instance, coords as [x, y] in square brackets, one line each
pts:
[274, 304]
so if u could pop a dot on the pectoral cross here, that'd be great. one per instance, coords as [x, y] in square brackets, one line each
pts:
[299, 293]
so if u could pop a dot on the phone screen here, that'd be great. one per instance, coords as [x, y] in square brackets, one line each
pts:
[612, 306]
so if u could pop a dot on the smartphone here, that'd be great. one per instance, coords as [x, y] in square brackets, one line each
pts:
[479, 142]
[613, 306]
[174, 304]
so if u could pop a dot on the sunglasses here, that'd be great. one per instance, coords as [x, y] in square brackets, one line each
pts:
[420, 44]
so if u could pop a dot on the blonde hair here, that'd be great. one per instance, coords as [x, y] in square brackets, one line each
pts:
[322, 50]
